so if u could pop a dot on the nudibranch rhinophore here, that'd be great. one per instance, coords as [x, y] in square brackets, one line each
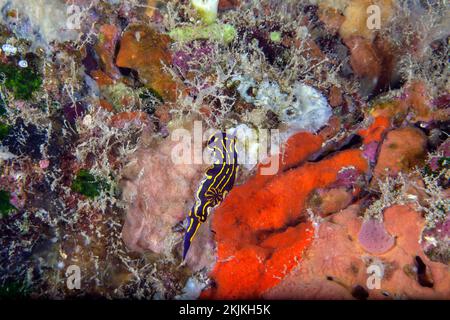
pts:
[217, 183]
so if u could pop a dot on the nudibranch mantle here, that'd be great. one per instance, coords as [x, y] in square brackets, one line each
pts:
[217, 183]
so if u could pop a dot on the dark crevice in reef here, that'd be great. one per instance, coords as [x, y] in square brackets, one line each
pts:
[264, 234]
[272, 51]
[423, 276]
[25, 139]
[358, 292]
[352, 142]
[60, 141]
[90, 61]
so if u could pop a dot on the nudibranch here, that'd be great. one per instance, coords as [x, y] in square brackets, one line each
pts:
[218, 181]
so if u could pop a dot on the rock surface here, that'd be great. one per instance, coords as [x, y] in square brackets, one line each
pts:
[145, 50]
[401, 150]
[336, 264]
[159, 194]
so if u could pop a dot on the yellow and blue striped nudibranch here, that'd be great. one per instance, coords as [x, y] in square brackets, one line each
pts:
[218, 181]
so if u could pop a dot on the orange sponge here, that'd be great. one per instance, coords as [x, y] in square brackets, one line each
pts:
[261, 230]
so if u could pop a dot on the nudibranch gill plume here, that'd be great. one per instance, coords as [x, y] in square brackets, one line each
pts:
[218, 181]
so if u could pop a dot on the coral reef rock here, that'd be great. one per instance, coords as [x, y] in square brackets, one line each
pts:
[340, 273]
[159, 194]
[145, 50]
[401, 150]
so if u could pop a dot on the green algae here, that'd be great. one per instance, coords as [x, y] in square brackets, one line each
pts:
[275, 36]
[4, 130]
[5, 204]
[217, 32]
[88, 185]
[4, 127]
[207, 10]
[21, 81]
[2, 107]
[14, 289]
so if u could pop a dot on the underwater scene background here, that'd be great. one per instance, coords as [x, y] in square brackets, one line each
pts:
[232, 149]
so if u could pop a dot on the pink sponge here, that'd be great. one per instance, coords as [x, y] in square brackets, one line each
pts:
[374, 238]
